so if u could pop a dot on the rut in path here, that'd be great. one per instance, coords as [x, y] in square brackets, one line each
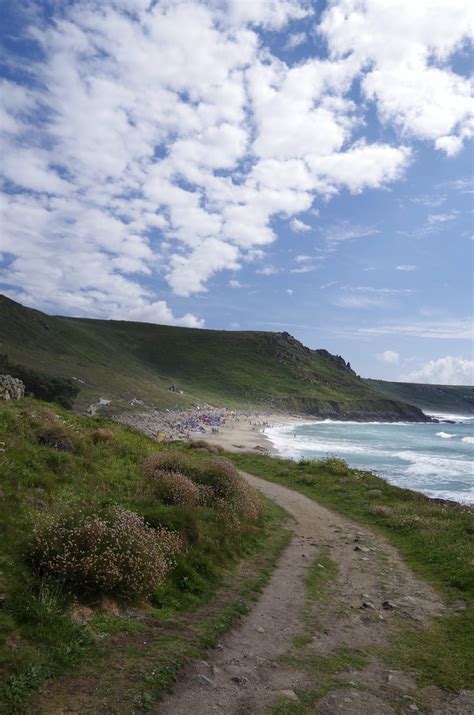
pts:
[244, 675]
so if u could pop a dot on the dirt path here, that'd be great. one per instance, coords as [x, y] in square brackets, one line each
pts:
[248, 672]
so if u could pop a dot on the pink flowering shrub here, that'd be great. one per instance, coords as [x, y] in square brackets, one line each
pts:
[113, 552]
[169, 460]
[222, 487]
[174, 488]
[217, 485]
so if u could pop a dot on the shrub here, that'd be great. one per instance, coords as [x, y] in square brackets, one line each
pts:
[333, 465]
[169, 460]
[62, 390]
[114, 552]
[221, 487]
[102, 434]
[174, 488]
[56, 439]
[204, 446]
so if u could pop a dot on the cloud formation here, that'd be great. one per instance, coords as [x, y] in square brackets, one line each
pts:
[389, 356]
[447, 370]
[154, 143]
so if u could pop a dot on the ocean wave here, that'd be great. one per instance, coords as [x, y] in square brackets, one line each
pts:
[295, 446]
[445, 435]
[422, 464]
[468, 440]
[449, 416]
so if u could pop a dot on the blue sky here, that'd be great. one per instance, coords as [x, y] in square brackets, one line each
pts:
[272, 165]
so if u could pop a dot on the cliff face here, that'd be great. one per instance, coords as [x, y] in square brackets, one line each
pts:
[365, 410]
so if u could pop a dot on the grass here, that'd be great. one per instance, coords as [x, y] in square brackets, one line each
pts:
[121, 361]
[435, 539]
[40, 637]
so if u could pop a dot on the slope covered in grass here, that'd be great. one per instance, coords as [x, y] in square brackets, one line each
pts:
[85, 529]
[450, 399]
[123, 360]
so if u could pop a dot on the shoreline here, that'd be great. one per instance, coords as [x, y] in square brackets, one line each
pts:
[246, 433]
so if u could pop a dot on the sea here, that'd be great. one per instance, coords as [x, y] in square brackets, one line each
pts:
[436, 459]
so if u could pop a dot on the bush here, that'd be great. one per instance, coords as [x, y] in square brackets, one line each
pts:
[62, 390]
[169, 460]
[221, 476]
[114, 552]
[204, 446]
[333, 465]
[222, 487]
[102, 434]
[174, 488]
[56, 439]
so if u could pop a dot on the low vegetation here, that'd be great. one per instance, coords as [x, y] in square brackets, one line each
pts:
[62, 390]
[96, 521]
[435, 538]
[125, 361]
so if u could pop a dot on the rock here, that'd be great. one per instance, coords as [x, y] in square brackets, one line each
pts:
[413, 706]
[11, 388]
[388, 605]
[259, 629]
[368, 605]
[288, 694]
[241, 680]
[204, 680]
[365, 549]
[375, 492]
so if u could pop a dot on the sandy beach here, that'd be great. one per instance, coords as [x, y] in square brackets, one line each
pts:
[246, 432]
[232, 430]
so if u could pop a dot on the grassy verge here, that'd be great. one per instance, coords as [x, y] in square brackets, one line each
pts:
[52, 462]
[436, 540]
[139, 655]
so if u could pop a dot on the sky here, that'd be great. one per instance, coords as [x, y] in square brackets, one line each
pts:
[273, 165]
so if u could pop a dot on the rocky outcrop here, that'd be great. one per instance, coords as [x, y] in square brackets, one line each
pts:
[367, 410]
[11, 388]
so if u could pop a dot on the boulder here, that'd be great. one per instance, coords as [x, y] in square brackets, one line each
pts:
[11, 388]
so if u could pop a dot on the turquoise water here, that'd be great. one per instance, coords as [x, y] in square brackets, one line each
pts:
[436, 459]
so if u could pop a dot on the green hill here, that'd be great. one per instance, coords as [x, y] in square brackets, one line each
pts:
[124, 362]
[454, 399]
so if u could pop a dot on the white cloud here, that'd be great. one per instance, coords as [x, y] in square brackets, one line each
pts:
[389, 356]
[404, 55]
[460, 329]
[442, 218]
[406, 267]
[304, 269]
[267, 271]
[235, 284]
[162, 139]
[295, 40]
[299, 226]
[361, 297]
[447, 370]
[344, 231]
[289, 291]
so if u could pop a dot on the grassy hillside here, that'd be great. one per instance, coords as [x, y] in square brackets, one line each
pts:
[121, 361]
[452, 399]
[64, 600]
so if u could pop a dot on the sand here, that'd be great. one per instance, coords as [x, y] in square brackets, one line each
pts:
[242, 433]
